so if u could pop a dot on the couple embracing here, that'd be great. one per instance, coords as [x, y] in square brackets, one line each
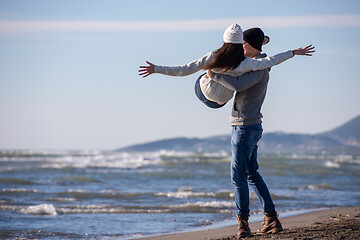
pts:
[239, 67]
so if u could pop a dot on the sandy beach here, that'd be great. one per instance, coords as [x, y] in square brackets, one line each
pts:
[335, 223]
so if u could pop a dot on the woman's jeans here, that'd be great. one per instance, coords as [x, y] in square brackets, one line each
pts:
[201, 96]
[244, 169]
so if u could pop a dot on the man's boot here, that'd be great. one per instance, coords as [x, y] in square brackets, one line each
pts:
[243, 228]
[271, 224]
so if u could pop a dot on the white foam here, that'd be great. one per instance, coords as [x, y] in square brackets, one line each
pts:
[106, 161]
[107, 209]
[42, 209]
[18, 190]
[84, 159]
[216, 204]
[324, 186]
[80, 159]
[313, 187]
[62, 199]
[188, 193]
[185, 194]
[330, 164]
[347, 159]
[210, 204]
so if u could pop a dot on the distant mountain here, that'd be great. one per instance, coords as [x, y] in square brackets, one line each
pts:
[282, 142]
[211, 144]
[345, 138]
[348, 133]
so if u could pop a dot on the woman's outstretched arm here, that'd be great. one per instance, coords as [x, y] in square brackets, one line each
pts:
[179, 70]
[146, 70]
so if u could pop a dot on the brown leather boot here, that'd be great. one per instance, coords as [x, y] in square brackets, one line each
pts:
[271, 225]
[243, 228]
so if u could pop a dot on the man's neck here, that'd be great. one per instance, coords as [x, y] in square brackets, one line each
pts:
[252, 55]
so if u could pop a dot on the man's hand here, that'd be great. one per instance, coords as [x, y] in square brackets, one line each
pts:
[146, 70]
[307, 51]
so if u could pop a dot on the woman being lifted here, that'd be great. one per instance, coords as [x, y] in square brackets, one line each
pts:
[230, 60]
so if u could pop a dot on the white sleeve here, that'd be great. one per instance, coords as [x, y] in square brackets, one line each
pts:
[184, 70]
[252, 64]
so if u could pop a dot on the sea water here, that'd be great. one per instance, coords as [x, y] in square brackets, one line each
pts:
[120, 195]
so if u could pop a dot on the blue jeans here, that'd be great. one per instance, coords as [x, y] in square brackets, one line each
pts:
[201, 96]
[244, 169]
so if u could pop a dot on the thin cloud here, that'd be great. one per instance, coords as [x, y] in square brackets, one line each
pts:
[9, 26]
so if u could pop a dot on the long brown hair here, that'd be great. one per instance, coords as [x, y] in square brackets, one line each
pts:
[229, 56]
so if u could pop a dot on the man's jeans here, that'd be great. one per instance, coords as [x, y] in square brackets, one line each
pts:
[244, 168]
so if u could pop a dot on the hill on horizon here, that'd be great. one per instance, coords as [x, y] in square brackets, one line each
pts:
[348, 133]
[343, 139]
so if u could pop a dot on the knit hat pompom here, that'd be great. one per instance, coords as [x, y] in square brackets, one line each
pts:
[233, 34]
[256, 38]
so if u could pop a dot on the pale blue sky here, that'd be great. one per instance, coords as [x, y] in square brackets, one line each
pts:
[69, 80]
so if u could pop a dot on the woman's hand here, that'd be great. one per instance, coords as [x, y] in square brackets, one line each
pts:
[308, 50]
[146, 70]
[208, 73]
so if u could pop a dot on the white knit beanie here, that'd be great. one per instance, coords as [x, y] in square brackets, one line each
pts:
[233, 34]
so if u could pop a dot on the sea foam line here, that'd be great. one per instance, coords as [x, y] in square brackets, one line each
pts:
[41, 209]
[191, 194]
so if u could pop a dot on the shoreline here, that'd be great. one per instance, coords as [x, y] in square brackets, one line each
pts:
[294, 226]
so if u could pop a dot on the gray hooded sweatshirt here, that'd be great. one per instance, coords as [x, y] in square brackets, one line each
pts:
[250, 91]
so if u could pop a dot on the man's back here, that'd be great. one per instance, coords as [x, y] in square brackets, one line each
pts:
[250, 91]
[247, 103]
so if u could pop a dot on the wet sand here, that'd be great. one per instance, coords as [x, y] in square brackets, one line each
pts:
[336, 223]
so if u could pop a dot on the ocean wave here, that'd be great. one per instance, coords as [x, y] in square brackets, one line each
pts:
[110, 194]
[42, 209]
[81, 194]
[188, 193]
[107, 209]
[38, 234]
[330, 164]
[281, 197]
[52, 199]
[73, 159]
[194, 207]
[16, 181]
[347, 159]
[100, 161]
[323, 186]
[201, 204]
[81, 179]
[96, 159]
[196, 158]
[17, 190]
[181, 154]
[22, 154]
